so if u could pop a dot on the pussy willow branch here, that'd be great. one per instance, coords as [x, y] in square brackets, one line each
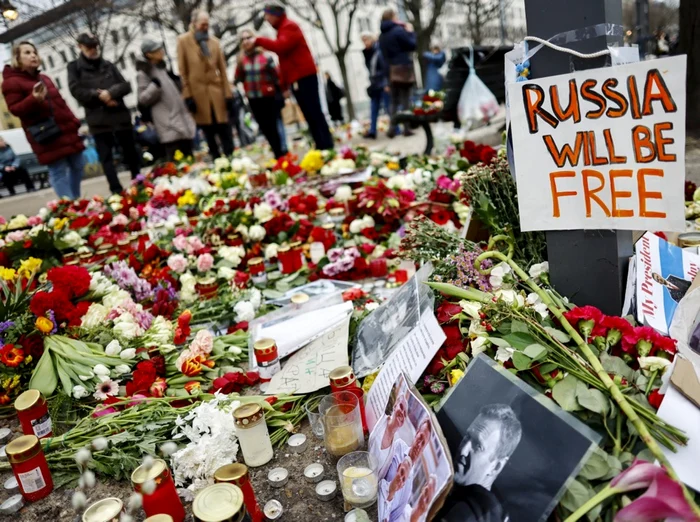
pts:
[595, 363]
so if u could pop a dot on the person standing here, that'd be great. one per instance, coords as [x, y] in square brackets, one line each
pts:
[205, 85]
[11, 171]
[434, 59]
[333, 96]
[397, 42]
[100, 88]
[258, 74]
[35, 100]
[378, 83]
[297, 71]
[158, 91]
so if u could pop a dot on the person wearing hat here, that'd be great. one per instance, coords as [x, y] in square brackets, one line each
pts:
[205, 86]
[297, 71]
[100, 88]
[158, 90]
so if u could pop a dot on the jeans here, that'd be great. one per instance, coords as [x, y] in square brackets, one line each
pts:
[65, 175]
[104, 142]
[283, 136]
[375, 105]
[306, 94]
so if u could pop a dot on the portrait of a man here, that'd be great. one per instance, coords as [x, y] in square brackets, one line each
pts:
[395, 492]
[677, 287]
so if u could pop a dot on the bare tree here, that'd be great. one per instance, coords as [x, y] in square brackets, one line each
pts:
[689, 44]
[424, 15]
[337, 35]
[480, 15]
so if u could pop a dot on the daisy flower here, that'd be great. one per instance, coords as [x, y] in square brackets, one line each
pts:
[106, 388]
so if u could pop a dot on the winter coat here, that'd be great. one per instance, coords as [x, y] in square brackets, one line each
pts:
[17, 89]
[204, 78]
[172, 120]
[85, 78]
[8, 158]
[396, 43]
[378, 70]
[433, 78]
[294, 55]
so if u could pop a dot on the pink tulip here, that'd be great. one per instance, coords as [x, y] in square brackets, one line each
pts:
[101, 411]
[663, 500]
[639, 475]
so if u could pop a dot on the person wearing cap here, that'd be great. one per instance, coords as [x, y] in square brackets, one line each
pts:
[100, 88]
[205, 85]
[158, 91]
[297, 71]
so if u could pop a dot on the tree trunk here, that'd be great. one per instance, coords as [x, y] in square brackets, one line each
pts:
[422, 45]
[344, 74]
[689, 17]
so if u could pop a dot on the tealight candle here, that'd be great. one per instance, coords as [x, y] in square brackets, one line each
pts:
[11, 485]
[297, 443]
[273, 510]
[5, 434]
[313, 472]
[357, 515]
[12, 505]
[326, 490]
[278, 477]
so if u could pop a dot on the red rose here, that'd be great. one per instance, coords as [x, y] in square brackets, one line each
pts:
[144, 376]
[655, 399]
[452, 332]
[437, 364]
[446, 311]
[158, 362]
[452, 349]
[243, 326]
[487, 154]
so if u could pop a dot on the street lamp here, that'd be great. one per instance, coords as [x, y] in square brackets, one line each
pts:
[9, 11]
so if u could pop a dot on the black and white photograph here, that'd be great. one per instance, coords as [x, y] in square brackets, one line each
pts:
[381, 332]
[411, 455]
[513, 453]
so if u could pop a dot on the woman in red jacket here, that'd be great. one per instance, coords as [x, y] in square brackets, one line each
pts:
[35, 100]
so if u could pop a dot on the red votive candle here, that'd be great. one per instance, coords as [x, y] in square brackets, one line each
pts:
[164, 499]
[30, 467]
[33, 414]
[237, 474]
[401, 276]
[377, 267]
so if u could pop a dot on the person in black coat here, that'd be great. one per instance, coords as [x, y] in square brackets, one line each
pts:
[333, 96]
[378, 90]
[99, 87]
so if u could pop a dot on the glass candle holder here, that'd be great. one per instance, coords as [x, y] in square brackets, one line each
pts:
[315, 419]
[253, 436]
[342, 423]
[358, 479]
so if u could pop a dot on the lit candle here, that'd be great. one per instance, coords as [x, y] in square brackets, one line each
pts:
[297, 443]
[326, 490]
[278, 477]
[313, 472]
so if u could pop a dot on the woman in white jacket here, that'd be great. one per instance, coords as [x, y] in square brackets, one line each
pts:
[158, 91]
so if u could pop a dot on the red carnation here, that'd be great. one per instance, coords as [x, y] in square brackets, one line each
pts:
[616, 327]
[487, 154]
[74, 280]
[655, 399]
[585, 318]
[639, 341]
[440, 217]
[144, 376]
[447, 311]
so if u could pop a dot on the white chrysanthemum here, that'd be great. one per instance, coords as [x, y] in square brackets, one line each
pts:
[95, 316]
[245, 311]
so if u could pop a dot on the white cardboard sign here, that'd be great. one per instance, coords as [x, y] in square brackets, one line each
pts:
[602, 148]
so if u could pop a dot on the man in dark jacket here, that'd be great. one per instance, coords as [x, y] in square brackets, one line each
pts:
[397, 42]
[11, 171]
[99, 87]
[378, 90]
[297, 71]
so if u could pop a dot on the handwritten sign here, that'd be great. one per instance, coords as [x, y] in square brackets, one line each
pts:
[307, 370]
[602, 148]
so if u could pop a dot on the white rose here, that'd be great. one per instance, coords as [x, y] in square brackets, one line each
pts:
[356, 226]
[271, 251]
[255, 298]
[538, 269]
[79, 392]
[95, 316]
[226, 273]
[122, 369]
[128, 354]
[72, 239]
[397, 182]
[256, 233]
[113, 348]
[126, 326]
[262, 212]
[343, 193]
[244, 311]
[222, 164]
[368, 221]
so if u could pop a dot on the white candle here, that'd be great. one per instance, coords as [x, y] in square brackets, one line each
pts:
[313, 472]
[326, 490]
[317, 251]
[297, 443]
[278, 477]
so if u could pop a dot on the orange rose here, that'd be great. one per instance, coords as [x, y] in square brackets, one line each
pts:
[44, 325]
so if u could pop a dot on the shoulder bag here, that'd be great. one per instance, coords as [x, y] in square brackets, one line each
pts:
[45, 131]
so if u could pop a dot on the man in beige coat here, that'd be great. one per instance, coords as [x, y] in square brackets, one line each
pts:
[205, 85]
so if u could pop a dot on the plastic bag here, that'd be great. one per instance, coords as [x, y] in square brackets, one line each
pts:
[477, 104]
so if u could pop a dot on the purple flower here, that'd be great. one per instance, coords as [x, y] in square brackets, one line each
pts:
[52, 317]
[125, 277]
[6, 325]
[467, 275]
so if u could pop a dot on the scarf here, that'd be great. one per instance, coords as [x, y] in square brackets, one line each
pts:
[202, 39]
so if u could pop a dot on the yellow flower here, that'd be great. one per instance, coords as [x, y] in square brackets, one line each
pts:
[188, 198]
[178, 156]
[60, 223]
[456, 375]
[369, 380]
[44, 325]
[29, 267]
[313, 161]
[392, 165]
[7, 274]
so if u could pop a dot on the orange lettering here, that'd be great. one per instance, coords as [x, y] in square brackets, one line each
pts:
[595, 159]
[572, 109]
[644, 195]
[661, 142]
[617, 194]
[641, 137]
[634, 98]
[553, 176]
[567, 153]
[615, 97]
[611, 148]
[593, 97]
[591, 194]
[654, 78]
[534, 108]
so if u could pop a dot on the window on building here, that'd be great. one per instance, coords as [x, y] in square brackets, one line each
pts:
[50, 60]
[64, 57]
[115, 36]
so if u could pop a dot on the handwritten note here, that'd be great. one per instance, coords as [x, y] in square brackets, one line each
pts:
[307, 370]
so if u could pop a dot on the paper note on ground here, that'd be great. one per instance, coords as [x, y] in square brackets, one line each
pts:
[411, 356]
[307, 370]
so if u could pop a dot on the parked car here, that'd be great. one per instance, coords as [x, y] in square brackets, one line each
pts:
[16, 139]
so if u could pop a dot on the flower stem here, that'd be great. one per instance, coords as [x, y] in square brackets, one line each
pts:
[592, 502]
[652, 378]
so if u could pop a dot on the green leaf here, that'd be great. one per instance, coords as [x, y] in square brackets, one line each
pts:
[501, 343]
[44, 376]
[535, 351]
[547, 368]
[596, 466]
[518, 327]
[577, 494]
[272, 294]
[594, 400]
[564, 393]
[616, 366]
[557, 334]
[521, 361]
[519, 340]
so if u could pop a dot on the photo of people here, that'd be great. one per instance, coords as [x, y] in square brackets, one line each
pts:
[413, 462]
[512, 453]
[676, 286]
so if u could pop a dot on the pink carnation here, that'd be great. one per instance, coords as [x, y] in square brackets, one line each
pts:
[177, 263]
[195, 244]
[17, 235]
[180, 242]
[34, 221]
[205, 262]
[202, 343]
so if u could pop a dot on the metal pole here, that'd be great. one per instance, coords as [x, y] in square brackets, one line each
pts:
[588, 266]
